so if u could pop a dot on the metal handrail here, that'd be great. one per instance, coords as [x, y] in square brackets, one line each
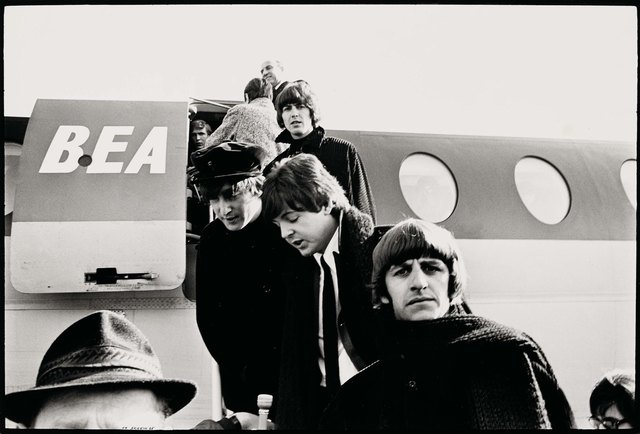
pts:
[206, 101]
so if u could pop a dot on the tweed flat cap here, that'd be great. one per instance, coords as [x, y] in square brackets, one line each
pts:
[99, 349]
[228, 160]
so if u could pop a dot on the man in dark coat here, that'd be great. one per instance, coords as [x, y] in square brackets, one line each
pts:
[272, 71]
[298, 114]
[326, 334]
[440, 368]
[238, 292]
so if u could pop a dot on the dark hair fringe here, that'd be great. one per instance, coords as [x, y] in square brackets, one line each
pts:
[302, 184]
[252, 185]
[615, 388]
[407, 240]
[298, 92]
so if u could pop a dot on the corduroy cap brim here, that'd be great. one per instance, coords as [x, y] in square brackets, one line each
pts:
[101, 349]
[228, 160]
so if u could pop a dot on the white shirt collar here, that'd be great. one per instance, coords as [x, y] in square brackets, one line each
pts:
[332, 247]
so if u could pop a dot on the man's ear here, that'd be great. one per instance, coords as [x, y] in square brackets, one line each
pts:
[328, 208]
[384, 299]
[246, 97]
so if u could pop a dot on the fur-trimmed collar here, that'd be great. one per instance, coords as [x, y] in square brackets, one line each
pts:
[358, 226]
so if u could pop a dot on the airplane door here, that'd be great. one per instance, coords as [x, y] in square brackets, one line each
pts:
[100, 197]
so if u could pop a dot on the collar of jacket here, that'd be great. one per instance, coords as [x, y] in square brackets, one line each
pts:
[262, 101]
[461, 333]
[308, 144]
[359, 226]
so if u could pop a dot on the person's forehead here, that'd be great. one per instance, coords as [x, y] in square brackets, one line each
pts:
[75, 407]
[268, 63]
[80, 398]
[198, 130]
[215, 184]
[613, 411]
[284, 213]
[423, 258]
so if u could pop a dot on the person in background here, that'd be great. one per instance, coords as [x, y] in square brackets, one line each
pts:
[441, 368]
[102, 373]
[613, 401]
[327, 319]
[254, 122]
[238, 292]
[273, 71]
[199, 130]
[298, 113]
[197, 210]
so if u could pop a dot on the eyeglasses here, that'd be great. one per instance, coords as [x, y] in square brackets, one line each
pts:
[606, 422]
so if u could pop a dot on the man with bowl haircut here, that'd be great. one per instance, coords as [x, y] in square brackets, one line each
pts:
[326, 331]
[299, 115]
[99, 373]
[238, 291]
[440, 367]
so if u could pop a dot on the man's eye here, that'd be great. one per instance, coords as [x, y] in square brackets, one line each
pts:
[431, 268]
[401, 271]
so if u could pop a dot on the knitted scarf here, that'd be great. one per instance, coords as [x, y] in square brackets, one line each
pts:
[458, 337]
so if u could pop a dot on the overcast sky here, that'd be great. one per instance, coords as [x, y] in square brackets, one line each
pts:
[532, 71]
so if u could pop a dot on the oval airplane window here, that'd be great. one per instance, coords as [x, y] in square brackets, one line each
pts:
[12, 152]
[542, 189]
[428, 187]
[628, 176]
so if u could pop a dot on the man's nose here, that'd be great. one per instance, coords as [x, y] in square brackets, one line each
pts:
[220, 207]
[285, 230]
[225, 206]
[418, 279]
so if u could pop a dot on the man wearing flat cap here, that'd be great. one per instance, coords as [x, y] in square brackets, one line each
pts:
[99, 373]
[238, 291]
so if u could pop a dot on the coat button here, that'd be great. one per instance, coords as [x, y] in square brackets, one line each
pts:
[412, 385]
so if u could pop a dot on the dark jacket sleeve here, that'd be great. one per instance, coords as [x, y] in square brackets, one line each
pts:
[558, 408]
[227, 129]
[216, 327]
[361, 195]
[204, 294]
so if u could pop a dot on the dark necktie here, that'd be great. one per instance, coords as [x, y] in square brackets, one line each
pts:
[330, 332]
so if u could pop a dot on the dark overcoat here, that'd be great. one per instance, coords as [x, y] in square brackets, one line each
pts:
[239, 307]
[340, 158]
[458, 372]
[297, 399]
